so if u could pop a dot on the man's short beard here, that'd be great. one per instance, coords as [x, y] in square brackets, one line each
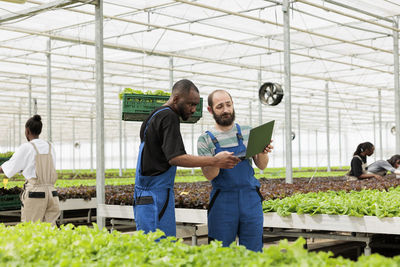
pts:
[181, 112]
[224, 122]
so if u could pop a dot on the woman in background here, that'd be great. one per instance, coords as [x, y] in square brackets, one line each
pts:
[381, 167]
[36, 160]
[358, 166]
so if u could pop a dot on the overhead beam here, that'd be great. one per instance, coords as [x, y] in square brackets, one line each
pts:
[358, 10]
[36, 10]
[176, 55]
[217, 38]
[347, 15]
[281, 25]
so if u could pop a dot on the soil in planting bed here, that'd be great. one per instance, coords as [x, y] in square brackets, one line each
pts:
[195, 195]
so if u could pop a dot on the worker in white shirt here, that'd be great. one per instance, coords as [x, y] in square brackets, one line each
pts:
[36, 160]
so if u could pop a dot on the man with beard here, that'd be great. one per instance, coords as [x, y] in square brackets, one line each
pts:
[160, 152]
[235, 202]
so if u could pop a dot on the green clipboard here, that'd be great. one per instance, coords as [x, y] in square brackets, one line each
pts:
[259, 139]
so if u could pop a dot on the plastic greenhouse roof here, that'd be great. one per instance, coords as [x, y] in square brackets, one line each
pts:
[347, 44]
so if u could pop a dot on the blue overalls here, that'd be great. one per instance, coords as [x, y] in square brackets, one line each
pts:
[235, 206]
[154, 201]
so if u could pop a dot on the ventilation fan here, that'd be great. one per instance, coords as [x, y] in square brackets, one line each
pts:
[270, 94]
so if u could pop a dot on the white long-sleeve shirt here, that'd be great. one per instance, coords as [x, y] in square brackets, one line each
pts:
[24, 157]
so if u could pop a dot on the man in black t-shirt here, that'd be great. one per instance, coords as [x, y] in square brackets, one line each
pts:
[161, 151]
[163, 142]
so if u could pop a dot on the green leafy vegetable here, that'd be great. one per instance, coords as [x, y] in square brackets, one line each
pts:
[139, 92]
[355, 203]
[6, 154]
[39, 244]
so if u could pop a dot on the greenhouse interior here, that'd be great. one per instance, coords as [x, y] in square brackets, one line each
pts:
[325, 71]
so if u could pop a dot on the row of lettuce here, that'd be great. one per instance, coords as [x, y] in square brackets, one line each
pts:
[39, 244]
[80, 179]
[355, 203]
[353, 198]
[129, 173]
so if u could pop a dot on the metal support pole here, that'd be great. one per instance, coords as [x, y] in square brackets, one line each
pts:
[374, 123]
[35, 108]
[346, 147]
[120, 139]
[316, 148]
[60, 168]
[396, 82]
[288, 101]
[100, 170]
[48, 56]
[13, 129]
[283, 147]
[79, 159]
[192, 145]
[30, 96]
[327, 127]
[111, 163]
[125, 147]
[340, 139]
[308, 148]
[380, 124]
[260, 119]
[298, 135]
[171, 72]
[91, 144]
[387, 139]
[73, 145]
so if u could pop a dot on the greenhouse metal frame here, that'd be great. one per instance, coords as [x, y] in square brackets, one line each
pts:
[337, 61]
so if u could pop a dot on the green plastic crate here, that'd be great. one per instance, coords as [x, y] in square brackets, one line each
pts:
[137, 107]
[2, 159]
[10, 202]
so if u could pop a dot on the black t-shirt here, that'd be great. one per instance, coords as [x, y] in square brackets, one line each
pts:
[163, 142]
[356, 166]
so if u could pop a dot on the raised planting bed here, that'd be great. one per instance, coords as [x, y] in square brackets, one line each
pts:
[196, 195]
[10, 199]
[367, 202]
[339, 223]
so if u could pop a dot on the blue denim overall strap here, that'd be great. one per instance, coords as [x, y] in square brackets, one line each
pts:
[242, 175]
[154, 201]
[235, 204]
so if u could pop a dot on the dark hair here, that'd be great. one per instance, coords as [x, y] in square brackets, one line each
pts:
[363, 147]
[394, 159]
[184, 87]
[210, 97]
[34, 124]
